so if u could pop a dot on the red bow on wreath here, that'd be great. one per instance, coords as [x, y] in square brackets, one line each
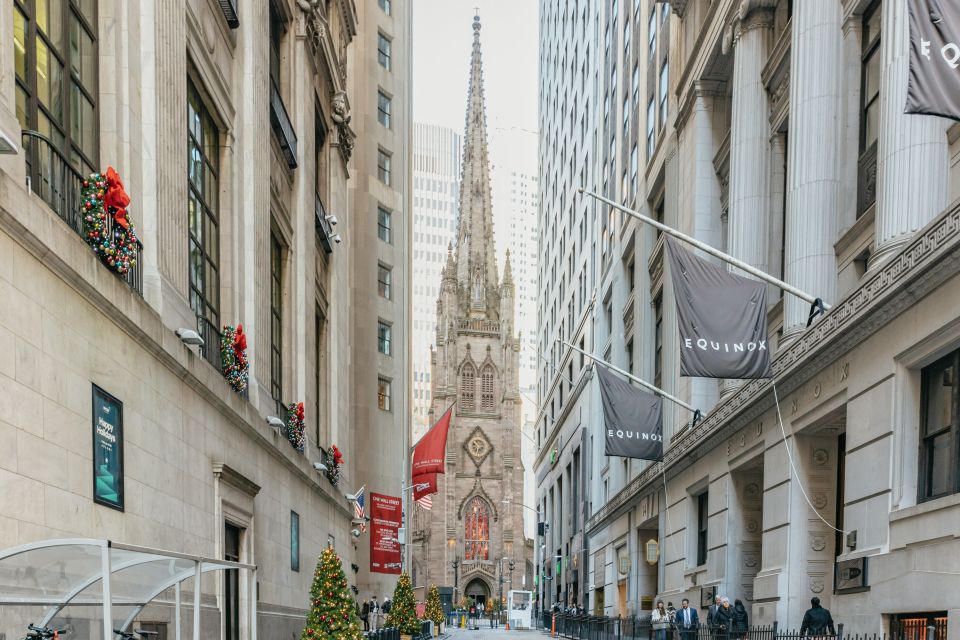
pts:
[300, 411]
[240, 341]
[337, 456]
[117, 198]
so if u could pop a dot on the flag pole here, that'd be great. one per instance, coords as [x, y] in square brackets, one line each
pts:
[818, 305]
[643, 383]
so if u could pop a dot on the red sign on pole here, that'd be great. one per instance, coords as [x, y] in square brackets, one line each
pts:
[385, 520]
[424, 485]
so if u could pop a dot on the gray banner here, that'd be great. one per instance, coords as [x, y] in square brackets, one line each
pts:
[934, 82]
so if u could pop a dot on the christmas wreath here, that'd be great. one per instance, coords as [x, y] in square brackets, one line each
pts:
[334, 460]
[233, 355]
[104, 198]
[295, 430]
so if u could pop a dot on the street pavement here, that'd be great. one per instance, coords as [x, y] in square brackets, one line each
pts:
[485, 633]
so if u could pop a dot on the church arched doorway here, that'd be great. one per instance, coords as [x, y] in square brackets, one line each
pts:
[478, 591]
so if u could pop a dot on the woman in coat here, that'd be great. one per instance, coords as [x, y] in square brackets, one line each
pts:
[741, 622]
[723, 620]
[660, 620]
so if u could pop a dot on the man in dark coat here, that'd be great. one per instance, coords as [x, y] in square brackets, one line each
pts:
[817, 620]
[687, 620]
[364, 615]
[712, 612]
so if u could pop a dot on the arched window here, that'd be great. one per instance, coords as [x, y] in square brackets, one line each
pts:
[468, 377]
[477, 289]
[486, 389]
[477, 530]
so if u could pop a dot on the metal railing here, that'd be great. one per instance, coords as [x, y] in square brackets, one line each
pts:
[586, 627]
[211, 342]
[322, 225]
[51, 176]
[387, 633]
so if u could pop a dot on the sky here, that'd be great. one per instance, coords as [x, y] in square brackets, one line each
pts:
[442, 39]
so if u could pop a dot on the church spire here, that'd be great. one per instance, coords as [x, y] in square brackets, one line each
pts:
[476, 256]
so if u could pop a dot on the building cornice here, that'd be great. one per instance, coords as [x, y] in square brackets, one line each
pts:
[926, 262]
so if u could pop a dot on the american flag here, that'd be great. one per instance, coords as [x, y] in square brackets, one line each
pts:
[426, 502]
[358, 509]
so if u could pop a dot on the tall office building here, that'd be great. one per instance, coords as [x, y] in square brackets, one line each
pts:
[258, 149]
[436, 197]
[719, 133]
[514, 176]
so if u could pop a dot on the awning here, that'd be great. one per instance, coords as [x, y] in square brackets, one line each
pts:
[121, 579]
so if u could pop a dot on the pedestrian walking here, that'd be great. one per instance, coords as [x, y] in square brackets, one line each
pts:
[374, 614]
[365, 615]
[723, 619]
[660, 620]
[385, 607]
[687, 620]
[817, 621]
[741, 621]
[712, 612]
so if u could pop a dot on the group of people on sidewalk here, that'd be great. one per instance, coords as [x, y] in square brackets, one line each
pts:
[726, 622]
[373, 613]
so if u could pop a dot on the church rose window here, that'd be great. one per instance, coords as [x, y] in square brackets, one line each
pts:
[477, 530]
[467, 387]
[486, 389]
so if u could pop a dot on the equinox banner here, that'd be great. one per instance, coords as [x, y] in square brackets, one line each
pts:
[722, 319]
[385, 521]
[633, 418]
[933, 87]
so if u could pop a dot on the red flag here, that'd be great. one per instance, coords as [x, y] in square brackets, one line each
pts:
[424, 485]
[428, 455]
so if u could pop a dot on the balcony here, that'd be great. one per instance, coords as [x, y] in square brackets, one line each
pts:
[211, 342]
[229, 9]
[51, 176]
[282, 127]
[323, 226]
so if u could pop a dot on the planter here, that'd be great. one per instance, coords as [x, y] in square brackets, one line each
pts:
[404, 636]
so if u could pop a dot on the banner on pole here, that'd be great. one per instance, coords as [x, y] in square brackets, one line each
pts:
[385, 521]
[633, 418]
[424, 485]
[722, 319]
[933, 87]
[430, 452]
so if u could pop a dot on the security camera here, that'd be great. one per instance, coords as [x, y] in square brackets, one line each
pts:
[355, 533]
[319, 466]
[337, 238]
[332, 220]
[276, 422]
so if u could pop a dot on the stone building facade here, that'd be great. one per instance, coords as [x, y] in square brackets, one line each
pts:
[476, 519]
[261, 143]
[779, 137]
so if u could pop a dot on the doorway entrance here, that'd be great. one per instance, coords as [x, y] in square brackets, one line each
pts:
[478, 591]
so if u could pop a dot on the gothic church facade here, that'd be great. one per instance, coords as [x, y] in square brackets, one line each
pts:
[473, 534]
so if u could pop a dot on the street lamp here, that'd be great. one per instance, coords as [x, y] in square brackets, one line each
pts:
[456, 578]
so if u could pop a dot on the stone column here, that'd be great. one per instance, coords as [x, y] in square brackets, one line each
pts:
[750, 137]
[912, 161]
[748, 219]
[812, 181]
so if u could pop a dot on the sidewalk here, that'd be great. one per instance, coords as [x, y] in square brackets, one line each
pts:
[485, 633]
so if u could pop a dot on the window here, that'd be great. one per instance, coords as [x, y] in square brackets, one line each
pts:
[635, 83]
[383, 394]
[664, 85]
[55, 63]
[383, 166]
[202, 204]
[384, 281]
[383, 51]
[486, 389]
[384, 107]
[869, 108]
[385, 6]
[658, 341]
[702, 520]
[383, 338]
[633, 171]
[651, 129]
[319, 326]
[652, 32]
[939, 469]
[232, 535]
[276, 39]
[276, 319]
[476, 530]
[468, 377]
[295, 541]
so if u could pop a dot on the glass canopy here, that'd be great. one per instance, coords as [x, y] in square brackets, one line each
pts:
[120, 579]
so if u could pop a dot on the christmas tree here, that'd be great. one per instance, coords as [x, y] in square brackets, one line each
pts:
[332, 613]
[403, 608]
[434, 611]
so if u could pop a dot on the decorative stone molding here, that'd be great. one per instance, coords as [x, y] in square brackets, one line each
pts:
[234, 478]
[341, 117]
[931, 257]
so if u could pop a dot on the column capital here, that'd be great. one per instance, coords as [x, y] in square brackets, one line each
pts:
[753, 14]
